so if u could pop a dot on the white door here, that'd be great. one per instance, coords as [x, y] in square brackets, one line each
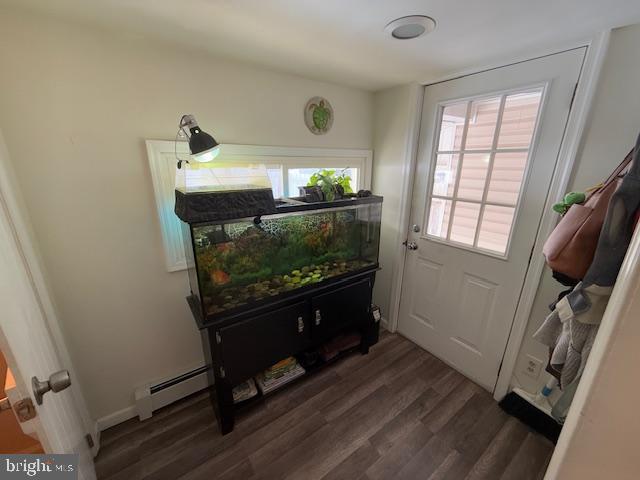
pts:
[26, 338]
[488, 148]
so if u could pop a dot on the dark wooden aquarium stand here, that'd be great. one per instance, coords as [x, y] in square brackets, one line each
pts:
[240, 346]
[276, 279]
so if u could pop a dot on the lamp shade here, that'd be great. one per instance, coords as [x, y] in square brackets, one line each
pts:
[203, 146]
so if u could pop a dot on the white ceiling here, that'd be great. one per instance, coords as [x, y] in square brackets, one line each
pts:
[343, 40]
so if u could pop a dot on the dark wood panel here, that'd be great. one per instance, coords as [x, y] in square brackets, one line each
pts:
[333, 311]
[395, 413]
[253, 345]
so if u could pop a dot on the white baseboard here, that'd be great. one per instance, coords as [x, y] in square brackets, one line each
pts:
[115, 418]
[147, 402]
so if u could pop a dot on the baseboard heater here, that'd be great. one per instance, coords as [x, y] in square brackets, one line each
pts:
[150, 398]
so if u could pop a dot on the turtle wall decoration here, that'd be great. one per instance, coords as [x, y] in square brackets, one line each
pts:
[318, 115]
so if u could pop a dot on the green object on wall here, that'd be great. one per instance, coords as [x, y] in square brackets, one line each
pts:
[318, 115]
[321, 116]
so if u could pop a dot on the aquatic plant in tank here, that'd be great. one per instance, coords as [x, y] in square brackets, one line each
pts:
[244, 262]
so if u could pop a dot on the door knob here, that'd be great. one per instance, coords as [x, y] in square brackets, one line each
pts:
[412, 246]
[57, 382]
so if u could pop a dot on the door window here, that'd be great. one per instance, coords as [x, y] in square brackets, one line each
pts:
[480, 164]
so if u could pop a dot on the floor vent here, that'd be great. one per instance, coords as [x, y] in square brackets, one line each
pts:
[152, 397]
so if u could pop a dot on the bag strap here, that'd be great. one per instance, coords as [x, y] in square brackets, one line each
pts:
[620, 168]
[634, 170]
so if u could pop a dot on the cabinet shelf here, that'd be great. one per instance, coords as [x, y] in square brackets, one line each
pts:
[312, 370]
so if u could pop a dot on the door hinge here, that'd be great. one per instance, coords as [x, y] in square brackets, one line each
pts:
[5, 404]
[573, 95]
[25, 410]
[89, 440]
[218, 338]
[222, 372]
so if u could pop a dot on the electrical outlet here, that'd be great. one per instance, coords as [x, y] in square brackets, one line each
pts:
[532, 367]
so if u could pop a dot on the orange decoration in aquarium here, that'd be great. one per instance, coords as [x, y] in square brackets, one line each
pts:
[220, 277]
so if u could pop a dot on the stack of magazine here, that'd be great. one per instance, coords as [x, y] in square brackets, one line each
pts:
[279, 374]
[245, 391]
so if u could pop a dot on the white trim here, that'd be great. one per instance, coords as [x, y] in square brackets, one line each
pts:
[163, 185]
[290, 157]
[612, 320]
[116, 418]
[147, 402]
[585, 92]
[409, 159]
[17, 212]
[505, 63]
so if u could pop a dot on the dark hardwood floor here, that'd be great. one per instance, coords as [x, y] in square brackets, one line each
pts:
[397, 413]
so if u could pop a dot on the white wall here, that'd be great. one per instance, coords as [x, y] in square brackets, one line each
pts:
[611, 133]
[76, 105]
[605, 424]
[393, 109]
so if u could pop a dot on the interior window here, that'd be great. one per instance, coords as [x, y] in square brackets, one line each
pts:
[275, 175]
[480, 164]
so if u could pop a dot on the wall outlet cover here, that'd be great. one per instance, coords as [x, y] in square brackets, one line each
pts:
[532, 366]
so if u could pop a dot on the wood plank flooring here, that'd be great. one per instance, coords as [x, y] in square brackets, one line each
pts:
[397, 413]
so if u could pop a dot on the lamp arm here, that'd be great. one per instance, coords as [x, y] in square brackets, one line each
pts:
[187, 122]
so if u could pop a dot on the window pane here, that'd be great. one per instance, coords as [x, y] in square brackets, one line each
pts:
[506, 177]
[451, 126]
[439, 217]
[473, 175]
[519, 120]
[465, 220]
[495, 228]
[275, 175]
[482, 123]
[444, 178]
[299, 177]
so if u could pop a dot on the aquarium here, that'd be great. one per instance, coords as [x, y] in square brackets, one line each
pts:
[237, 264]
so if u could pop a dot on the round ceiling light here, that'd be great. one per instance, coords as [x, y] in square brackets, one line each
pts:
[413, 26]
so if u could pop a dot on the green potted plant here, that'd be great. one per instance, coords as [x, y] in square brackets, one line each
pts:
[327, 185]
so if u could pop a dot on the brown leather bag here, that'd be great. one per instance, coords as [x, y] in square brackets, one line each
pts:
[570, 247]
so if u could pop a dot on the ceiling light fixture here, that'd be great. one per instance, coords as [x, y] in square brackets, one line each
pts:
[410, 27]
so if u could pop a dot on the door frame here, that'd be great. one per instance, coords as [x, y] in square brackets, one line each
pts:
[572, 140]
[12, 201]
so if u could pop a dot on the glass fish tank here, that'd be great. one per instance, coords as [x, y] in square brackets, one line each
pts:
[240, 263]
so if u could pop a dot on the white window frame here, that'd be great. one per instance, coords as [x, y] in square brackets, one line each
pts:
[543, 87]
[162, 164]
